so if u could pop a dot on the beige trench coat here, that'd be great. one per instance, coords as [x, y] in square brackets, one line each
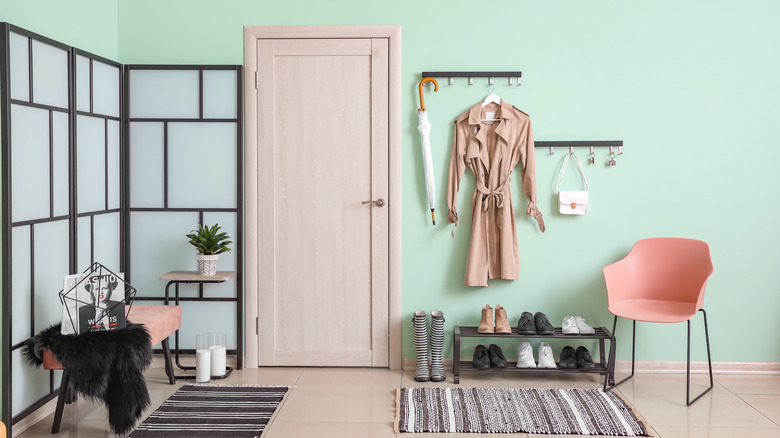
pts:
[491, 150]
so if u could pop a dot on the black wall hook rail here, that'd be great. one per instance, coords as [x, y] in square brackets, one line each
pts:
[472, 74]
[578, 144]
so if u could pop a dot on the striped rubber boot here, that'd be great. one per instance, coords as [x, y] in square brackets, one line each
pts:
[421, 374]
[437, 343]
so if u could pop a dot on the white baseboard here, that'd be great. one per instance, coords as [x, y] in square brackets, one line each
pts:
[624, 366]
[38, 415]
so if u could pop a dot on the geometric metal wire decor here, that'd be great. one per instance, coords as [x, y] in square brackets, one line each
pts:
[95, 300]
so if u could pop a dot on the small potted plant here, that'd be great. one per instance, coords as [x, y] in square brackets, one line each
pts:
[210, 244]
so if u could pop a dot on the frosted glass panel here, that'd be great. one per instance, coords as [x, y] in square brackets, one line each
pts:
[227, 260]
[159, 245]
[82, 83]
[60, 132]
[50, 75]
[146, 164]
[84, 248]
[105, 89]
[29, 384]
[91, 163]
[51, 265]
[219, 94]
[191, 146]
[164, 93]
[207, 317]
[20, 273]
[29, 163]
[113, 164]
[20, 67]
[107, 240]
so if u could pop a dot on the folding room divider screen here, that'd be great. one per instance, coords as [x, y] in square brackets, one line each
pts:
[114, 164]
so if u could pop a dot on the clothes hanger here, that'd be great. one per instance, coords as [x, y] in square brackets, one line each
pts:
[491, 98]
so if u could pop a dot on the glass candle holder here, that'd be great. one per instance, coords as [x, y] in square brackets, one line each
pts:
[203, 343]
[219, 355]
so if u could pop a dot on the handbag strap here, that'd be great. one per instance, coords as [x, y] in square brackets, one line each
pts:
[562, 172]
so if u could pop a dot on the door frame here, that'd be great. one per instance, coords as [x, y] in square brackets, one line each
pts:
[251, 145]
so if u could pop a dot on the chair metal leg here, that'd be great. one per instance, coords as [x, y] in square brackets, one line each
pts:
[168, 363]
[613, 354]
[61, 398]
[688, 400]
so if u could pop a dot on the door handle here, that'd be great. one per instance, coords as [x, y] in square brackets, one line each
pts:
[379, 202]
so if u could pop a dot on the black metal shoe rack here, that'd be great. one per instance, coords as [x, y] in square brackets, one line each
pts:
[603, 367]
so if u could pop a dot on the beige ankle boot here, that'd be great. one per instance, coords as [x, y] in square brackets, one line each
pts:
[502, 324]
[486, 324]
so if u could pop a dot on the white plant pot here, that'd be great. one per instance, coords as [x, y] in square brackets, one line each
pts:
[207, 264]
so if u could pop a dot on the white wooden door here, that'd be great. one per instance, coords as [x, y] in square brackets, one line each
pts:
[322, 117]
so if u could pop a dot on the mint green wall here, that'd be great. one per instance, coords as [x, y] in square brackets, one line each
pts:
[690, 87]
[90, 25]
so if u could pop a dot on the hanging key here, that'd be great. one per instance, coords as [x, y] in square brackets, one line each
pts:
[612, 161]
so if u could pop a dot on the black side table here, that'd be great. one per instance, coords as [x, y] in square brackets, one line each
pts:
[192, 277]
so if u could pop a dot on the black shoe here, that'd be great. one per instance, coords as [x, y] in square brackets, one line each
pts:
[481, 358]
[525, 325]
[543, 326]
[583, 358]
[568, 358]
[497, 359]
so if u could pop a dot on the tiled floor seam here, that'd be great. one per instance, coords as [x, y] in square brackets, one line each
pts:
[739, 396]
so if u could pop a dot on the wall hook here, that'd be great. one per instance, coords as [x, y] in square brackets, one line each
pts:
[592, 156]
[510, 81]
[471, 81]
[490, 81]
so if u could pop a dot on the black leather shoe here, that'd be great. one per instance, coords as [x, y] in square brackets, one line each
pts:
[525, 325]
[481, 358]
[497, 359]
[543, 326]
[583, 358]
[568, 358]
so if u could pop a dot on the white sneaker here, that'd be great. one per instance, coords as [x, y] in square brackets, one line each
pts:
[546, 359]
[569, 326]
[584, 329]
[525, 356]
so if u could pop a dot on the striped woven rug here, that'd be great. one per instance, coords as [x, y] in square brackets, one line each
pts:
[516, 410]
[213, 411]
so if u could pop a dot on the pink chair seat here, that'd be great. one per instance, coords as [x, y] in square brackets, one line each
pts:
[160, 321]
[653, 310]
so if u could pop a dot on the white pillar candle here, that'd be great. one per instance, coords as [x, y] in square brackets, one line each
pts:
[202, 366]
[218, 360]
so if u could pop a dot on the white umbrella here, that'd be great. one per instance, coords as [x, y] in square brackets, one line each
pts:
[425, 138]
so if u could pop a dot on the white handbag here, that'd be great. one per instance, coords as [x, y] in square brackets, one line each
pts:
[572, 201]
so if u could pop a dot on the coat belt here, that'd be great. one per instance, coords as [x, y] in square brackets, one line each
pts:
[497, 198]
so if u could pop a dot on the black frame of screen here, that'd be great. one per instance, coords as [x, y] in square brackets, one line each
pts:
[73, 215]
[238, 210]
[8, 225]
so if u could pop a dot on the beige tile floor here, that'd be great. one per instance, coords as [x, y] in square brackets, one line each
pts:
[344, 403]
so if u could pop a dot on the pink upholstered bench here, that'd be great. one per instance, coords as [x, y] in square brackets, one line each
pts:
[160, 321]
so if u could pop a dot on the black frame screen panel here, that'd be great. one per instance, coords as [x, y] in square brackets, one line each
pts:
[159, 204]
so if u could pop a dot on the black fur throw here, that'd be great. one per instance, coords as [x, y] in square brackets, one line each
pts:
[103, 365]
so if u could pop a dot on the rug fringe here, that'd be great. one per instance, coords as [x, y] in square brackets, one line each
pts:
[639, 417]
[397, 411]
